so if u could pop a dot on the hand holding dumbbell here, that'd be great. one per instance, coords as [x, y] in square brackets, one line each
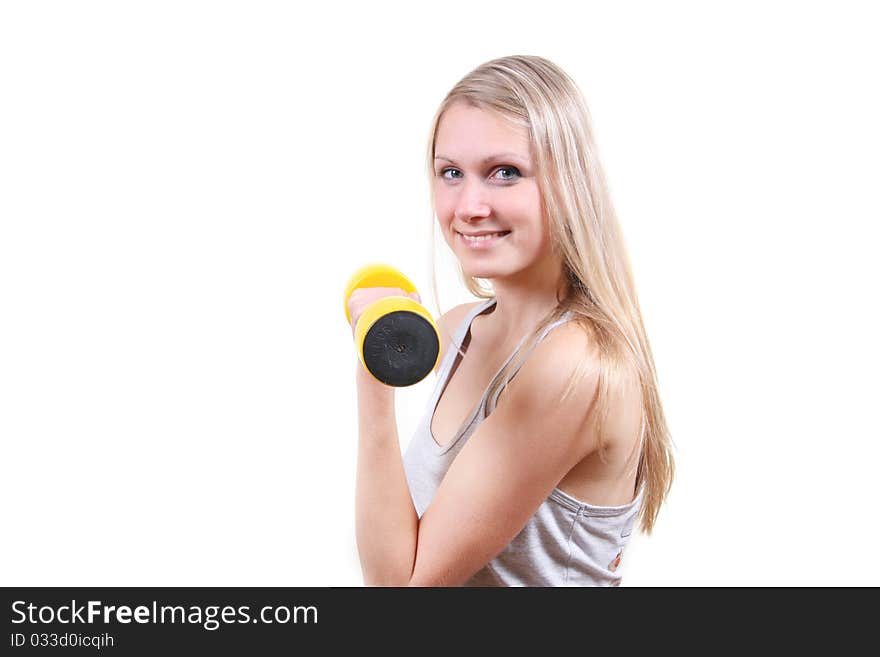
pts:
[398, 341]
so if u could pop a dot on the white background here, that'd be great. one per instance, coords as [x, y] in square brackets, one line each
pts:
[185, 188]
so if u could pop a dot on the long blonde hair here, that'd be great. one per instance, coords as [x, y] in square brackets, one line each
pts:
[537, 95]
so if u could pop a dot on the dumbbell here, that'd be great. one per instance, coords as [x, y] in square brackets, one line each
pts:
[397, 340]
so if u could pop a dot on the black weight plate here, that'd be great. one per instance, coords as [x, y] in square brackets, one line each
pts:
[400, 349]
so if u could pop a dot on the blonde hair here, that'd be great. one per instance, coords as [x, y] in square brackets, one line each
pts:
[535, 94]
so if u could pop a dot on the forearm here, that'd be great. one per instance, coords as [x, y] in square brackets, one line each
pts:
[386, 520]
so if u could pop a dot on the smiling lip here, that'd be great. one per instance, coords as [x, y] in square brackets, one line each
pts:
[479, 240]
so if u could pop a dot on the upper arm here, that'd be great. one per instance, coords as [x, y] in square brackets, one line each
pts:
[447, 323]
[511, 463]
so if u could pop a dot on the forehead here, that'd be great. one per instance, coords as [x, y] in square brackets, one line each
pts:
[470, 134]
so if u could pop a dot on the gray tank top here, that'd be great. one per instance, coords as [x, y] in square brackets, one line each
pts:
[566, 543]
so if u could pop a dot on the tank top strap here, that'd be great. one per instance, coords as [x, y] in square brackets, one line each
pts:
[452, 350]
[465, 325]
[490, 403]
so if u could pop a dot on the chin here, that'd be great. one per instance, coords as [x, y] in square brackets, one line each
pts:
[480, 274]
[482, 271]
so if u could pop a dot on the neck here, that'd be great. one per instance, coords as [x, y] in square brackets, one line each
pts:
[523, 300]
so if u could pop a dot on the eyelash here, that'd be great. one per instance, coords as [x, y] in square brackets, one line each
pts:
[510, 168]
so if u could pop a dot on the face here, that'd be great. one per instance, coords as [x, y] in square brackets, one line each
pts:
[486, 194]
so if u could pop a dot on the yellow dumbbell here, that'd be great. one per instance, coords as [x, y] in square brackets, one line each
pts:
[398, 341]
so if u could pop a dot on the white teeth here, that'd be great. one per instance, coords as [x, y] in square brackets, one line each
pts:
[480, 238]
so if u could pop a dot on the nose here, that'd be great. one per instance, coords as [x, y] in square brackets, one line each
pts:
[472, 204]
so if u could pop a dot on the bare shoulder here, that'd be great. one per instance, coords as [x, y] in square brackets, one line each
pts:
[568, 344]
[564, 352]
[569, 357]
[448, 322]
[568, 348]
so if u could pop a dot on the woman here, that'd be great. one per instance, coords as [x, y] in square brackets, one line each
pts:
[545, 439]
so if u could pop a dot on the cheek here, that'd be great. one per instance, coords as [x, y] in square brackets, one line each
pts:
[444, 208]
[443, 221]
[533, 237]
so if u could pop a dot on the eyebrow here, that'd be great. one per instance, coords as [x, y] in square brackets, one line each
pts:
[486, 160]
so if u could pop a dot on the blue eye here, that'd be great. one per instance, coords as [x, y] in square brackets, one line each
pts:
[515, 173]
[514, 169]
